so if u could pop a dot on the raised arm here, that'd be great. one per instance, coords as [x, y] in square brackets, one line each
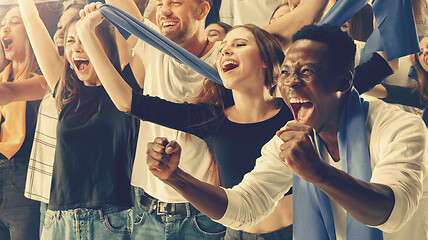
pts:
[119, 91]
[307, 12]
[44, 49]
[29, 90]
[127, 56]
[371, 73]
[131, 8]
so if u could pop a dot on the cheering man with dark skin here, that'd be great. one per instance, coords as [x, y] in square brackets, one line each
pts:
[358, 168]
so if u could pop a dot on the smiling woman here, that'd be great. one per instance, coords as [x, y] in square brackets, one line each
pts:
[91, 133]
[18, 119]
[234, 129]
[78, 59]
[87, 122]
[15, 44]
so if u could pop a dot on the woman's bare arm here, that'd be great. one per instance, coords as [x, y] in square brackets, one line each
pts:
[118, 90]
[31, 89]
[307, 12]
[45, 50]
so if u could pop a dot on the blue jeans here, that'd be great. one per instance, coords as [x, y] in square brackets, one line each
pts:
[280, 234]
[19, 216]
[149, 225]
[108, 223]
[43, 208]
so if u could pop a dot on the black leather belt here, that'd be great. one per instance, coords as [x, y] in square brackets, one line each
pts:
[164, 208]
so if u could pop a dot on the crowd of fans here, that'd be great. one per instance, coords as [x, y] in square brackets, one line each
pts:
[104, 135]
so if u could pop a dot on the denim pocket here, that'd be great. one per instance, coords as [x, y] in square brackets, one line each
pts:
[208, 227]
[140, 214]
[117, 221]
[50, 219]
[140, 218]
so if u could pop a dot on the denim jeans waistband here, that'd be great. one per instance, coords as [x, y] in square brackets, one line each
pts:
[89, 212]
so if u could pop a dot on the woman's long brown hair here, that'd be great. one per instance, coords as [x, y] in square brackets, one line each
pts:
[217, 95]
[30, 63]
[68, 86]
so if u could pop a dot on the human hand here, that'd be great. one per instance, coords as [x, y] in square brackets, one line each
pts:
[163, 157]
[299, 151]
[90, 17]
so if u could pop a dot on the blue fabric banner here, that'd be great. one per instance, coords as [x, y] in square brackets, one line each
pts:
[342, 11]
[395, 30]
[127, 25]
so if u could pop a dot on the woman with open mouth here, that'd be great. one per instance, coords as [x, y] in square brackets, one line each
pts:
[235, 120]
[95, 148]
[95, 143]
[39, 173]
[19, 216]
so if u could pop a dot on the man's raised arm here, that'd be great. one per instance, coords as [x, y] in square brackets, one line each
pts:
[131, 8]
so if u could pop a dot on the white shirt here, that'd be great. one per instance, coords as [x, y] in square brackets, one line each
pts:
[399, 152]
[359, 46]
[176, 82]
[238, 12]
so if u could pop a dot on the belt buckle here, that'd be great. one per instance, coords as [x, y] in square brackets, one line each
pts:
[163, 208]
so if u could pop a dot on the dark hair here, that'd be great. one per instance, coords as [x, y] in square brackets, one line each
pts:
[340, 47]
[225, 26]
[422, 79]
[68, 87]
[74, 5]
[270, 52]
[361, 24]
[216, 94]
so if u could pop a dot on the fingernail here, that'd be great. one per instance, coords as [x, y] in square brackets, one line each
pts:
[279, 132]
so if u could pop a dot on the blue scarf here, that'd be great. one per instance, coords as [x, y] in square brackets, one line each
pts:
[312, 214]
[127, 25]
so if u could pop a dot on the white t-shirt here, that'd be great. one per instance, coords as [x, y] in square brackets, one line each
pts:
[171, 80]
[238, 12]
[399, 152]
